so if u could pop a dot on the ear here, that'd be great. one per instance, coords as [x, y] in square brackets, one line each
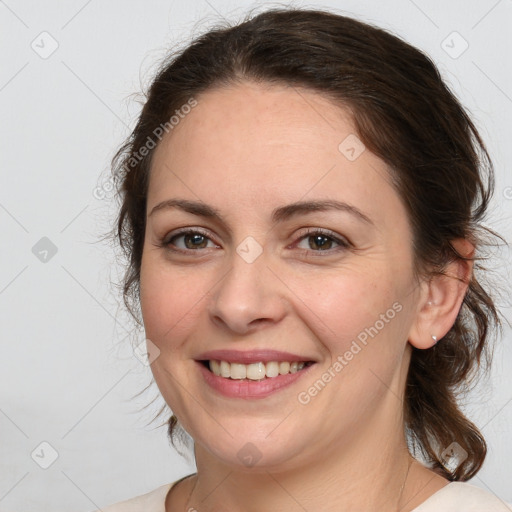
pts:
[441, 298]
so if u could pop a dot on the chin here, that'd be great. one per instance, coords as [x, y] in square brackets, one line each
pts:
[252, 448]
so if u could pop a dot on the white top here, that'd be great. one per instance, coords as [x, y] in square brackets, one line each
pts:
[453, 497]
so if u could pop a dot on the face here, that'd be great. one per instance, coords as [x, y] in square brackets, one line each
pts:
[242, 268]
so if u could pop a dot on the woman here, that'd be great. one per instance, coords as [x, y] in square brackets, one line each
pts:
[301, 208]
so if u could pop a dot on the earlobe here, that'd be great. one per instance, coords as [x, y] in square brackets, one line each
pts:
[442, 298]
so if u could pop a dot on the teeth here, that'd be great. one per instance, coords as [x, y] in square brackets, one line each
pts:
[272, 369]
[238, 371]
[225, 369]
[284, 368]
[254, 371]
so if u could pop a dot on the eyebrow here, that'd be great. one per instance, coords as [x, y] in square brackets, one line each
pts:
[278, 215]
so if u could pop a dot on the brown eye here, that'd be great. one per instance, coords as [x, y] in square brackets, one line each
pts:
[318, 240]
[195, 241]
[189, 240]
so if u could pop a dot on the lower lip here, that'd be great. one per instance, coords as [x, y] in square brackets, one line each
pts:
[247, 389]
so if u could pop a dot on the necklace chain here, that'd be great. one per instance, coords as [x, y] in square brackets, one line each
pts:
[409, 464]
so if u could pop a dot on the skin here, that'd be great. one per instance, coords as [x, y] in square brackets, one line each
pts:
[246, 150]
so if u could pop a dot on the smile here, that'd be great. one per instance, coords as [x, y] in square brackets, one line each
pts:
[227, 379]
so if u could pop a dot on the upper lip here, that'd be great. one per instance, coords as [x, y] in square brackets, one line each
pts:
[250, 356]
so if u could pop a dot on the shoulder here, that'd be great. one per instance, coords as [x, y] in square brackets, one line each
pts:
[463, 497]
[153, 501]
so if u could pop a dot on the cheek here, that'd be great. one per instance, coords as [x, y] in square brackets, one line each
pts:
[345, 303]
[361, 323]
[170, 301]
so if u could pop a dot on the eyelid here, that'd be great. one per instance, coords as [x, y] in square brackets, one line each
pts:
[326, 232]
[185, 231]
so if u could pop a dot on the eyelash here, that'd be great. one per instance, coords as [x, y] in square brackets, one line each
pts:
[343, 244]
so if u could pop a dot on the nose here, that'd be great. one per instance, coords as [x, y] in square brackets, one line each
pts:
[248, 296]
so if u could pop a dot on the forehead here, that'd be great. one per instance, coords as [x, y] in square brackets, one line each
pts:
[255, 144]
[251, 113]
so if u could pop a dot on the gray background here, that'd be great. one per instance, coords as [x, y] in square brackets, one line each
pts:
[68, 373]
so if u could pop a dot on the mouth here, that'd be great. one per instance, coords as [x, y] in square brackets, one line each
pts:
[256, 371]
[251, 381]
[252, 374]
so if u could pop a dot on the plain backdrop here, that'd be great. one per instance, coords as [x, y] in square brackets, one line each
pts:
[69, 378]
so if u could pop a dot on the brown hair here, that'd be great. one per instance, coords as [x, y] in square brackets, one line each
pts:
[407, 116]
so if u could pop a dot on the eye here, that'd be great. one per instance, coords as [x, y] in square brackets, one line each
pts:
[317, 240]
[192, 240]
[320, 240]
